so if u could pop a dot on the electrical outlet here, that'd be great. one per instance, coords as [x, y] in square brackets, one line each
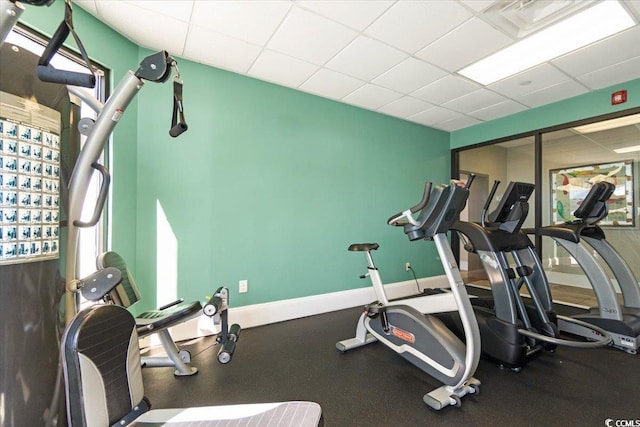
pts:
[407, 266]
[243, 286]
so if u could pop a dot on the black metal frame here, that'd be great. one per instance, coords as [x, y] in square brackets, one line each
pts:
[537, 134]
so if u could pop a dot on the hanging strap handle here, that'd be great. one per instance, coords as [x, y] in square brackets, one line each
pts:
[178, 123]
[47, 73]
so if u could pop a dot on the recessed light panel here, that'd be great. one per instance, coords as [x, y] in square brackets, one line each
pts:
[586, 27]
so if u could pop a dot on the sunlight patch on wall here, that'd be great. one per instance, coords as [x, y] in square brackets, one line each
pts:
[166, 259]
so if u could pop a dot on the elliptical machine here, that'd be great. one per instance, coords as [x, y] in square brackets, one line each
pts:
[403, 326]
[513, 330]
[622, 321]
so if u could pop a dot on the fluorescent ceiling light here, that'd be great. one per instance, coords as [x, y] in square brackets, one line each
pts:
[593, 24]
[627, 149]
[609, 124]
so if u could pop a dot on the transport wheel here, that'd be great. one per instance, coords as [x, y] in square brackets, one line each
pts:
[185, 355]
[475, 389]
[224, 357]
[457, 400]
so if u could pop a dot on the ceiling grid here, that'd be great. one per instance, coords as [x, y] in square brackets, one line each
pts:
[401, 58]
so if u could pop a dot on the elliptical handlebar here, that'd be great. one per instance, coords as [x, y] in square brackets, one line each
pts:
[395, 219]
[485, 208]
[472, 176]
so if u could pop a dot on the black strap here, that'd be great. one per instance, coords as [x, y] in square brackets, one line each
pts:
[47, 73]
[177, 127]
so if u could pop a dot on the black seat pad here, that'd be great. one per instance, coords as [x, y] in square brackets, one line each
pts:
[153, 320]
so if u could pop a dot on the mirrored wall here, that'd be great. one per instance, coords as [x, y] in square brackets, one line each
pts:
[501, 162]
[563, 163]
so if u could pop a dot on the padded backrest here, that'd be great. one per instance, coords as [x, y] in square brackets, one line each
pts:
[126, 293]
[101, 361]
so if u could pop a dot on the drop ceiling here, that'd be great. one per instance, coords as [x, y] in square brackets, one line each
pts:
[399, 58]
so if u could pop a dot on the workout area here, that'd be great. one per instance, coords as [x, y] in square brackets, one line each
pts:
[319, 213]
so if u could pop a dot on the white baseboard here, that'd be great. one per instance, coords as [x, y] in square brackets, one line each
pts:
[254, 315]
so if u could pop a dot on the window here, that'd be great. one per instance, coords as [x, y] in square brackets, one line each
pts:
[91, 240]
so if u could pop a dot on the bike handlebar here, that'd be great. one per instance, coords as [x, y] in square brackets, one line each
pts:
[394, 220]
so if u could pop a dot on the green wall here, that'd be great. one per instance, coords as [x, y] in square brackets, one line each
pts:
[577, 108]
[117, 54]
[271, 185]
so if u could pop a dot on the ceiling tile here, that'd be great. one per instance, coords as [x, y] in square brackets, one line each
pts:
[454, 52]
[434, 115]
[219, 50]
[478, 5]
[124, 17]
[371, 96]
[252, 21]
[601, 55]
[365, 58]
[474, 101]
[391, 56]
[409, 75]
[405, 107]
[457, 123]
[412, 25]
[617, 73]
[310, 37]
[529, 81]
[281, 69]
[446, 89]
[504, 108]
[180, 9]
[564, 90]
[331, 84]
[357, 14]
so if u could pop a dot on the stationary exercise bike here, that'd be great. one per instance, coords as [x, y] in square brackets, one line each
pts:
[403, 326]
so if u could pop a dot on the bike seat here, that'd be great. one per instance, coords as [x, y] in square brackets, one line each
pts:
[363, 247]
